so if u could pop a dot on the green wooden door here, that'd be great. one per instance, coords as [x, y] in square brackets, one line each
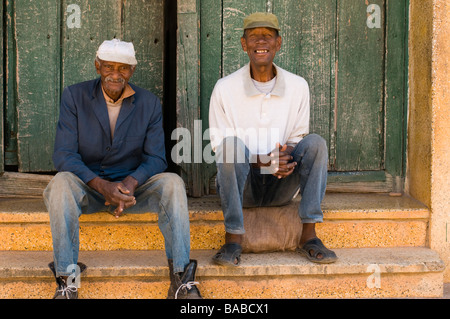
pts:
[52, 44]
[2, 106]
[351, 52]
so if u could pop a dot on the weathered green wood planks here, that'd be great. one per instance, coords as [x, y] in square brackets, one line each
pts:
[188, 93]
[233, 57]
[37, 35]
[143, 22]
[210, 71]
[396, 86]
[9, 112]
[316, 62]
[100, 20]
[329, 43]
[346, 50]
[360, 72]
[356, 73]
[2, 145]
[138, 21]
[55, 46]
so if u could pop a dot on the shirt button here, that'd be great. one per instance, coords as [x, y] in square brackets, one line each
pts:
[108, 148]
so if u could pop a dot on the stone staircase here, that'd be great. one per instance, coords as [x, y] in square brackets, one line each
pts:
[381, 242]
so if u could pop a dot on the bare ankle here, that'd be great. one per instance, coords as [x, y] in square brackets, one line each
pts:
[308, 232]
[233, 238]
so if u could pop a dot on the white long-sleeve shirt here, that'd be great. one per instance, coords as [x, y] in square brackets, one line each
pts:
[238, 108]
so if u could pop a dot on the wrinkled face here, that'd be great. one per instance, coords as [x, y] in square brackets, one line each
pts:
[261, 45]
[114, 76]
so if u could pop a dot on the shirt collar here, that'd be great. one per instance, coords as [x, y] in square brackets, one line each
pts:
[251, 90]
[127, 92]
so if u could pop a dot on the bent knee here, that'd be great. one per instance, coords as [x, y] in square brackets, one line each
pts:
[172, 181]
[316, 139]
[316, 143]
[60, 182]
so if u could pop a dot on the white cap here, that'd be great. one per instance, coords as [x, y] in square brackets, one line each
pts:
[117, 51]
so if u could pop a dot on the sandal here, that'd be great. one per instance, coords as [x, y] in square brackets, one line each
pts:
[228, 255]
[312, 248]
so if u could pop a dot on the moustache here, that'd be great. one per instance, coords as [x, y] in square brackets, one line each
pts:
[110, 79]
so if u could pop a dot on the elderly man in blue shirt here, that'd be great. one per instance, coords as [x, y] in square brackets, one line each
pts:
[110, 155]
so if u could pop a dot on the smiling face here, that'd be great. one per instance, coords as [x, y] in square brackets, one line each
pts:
[261, 45]
[114, 76]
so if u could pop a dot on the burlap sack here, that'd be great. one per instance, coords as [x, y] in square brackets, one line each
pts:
[269, 229]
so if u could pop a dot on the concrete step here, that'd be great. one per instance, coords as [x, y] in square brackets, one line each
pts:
[350, 221]
[408, 272]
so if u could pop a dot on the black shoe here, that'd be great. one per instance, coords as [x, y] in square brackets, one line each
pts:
[183, 285]
[64, 291]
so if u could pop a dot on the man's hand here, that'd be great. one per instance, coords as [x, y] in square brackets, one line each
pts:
[262, 161]
[131, 184]
[281, 156]
[117, 194]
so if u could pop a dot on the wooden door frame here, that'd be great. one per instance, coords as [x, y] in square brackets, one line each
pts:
[396, 90]
[2, 92]
[28, 134]
[391, 178]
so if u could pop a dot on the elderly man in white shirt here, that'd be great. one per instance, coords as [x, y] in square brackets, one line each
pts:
[259, 128]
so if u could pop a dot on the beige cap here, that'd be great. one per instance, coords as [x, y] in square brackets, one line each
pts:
[261, 20]
[117, 51]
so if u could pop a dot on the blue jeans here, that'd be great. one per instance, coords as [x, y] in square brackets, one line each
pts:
[67, 197]
[241, 185]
